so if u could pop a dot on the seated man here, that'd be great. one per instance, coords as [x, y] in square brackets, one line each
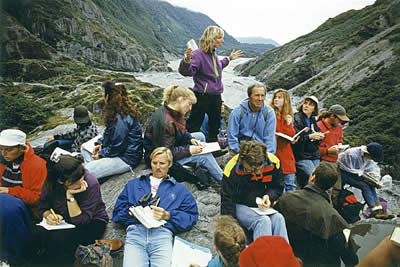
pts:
[144, 247]
[252, 120]
[251, 174]
[358, 161]
[314, 227]
[84, 131]
[22, 174]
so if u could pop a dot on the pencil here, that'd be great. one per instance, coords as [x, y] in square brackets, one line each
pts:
[158, 201]
[54, 214]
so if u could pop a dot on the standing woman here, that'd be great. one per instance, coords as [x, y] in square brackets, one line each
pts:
[167, 128]
[282, 106]
[121, 147]
[306, 149]
[74, 196]
[205, 67]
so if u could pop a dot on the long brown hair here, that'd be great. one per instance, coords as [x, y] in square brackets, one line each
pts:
[287, 104]
[229, 239]
[117, 102]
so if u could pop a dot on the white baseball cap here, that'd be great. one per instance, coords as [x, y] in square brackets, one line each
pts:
[12, 137]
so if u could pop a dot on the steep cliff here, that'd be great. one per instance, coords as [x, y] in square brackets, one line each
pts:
[352, 59]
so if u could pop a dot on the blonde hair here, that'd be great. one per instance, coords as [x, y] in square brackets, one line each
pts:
[161, 150]
[208, 39]
[287, 104]
[173, 93]
[229, 239]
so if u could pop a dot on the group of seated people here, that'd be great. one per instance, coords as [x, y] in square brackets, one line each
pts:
[261, 174]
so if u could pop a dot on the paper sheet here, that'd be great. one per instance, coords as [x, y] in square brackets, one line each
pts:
[185, 253]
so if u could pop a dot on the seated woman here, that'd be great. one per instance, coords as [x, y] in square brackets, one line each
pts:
[74, 196]
[22, 174]
[176, 205]
[121, 147]
[306, 149]
[253, 173]
[167, 128]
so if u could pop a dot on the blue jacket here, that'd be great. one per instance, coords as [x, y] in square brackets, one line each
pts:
[174, 198]
[206, 78]
[253, 126]
[123, 139]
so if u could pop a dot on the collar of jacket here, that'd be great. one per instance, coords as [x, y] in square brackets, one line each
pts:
[315, 188]
[327, 125]
[168, 179]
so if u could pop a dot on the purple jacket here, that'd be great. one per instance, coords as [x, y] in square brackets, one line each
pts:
[201, 67]
[90, 202]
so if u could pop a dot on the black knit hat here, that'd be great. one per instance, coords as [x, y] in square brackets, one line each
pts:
[376, 151]
[81, 115]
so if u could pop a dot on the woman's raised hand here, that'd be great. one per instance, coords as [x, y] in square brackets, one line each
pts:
[235, 54]
[188, 54]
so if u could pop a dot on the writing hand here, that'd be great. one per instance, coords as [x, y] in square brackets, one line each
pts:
[51, 220]
[160, 213]
[266, 203]
[195, 149]
[50, 138]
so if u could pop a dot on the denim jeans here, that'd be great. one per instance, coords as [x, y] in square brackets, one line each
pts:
[304, 169]
[15, 228]
[206, 160]
[147, 247]
[105, 166]
[261, 224]
[368, 191]
[290, 184]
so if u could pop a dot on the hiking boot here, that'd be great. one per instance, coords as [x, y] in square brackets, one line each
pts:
[382, 215]
[114, 244]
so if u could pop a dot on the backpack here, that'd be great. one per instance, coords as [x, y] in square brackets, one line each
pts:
[348, 206]
[93, 255]
[243, 111]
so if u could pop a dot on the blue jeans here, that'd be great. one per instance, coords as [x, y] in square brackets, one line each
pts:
[260, 224]
[105, 166]
[205, 160]
[290, 185]
[147, 247]
[15, 228]
[62, 143]
[368, 191]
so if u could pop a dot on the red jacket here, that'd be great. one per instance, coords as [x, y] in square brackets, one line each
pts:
[34, 172]
[283, 147]
[334, 137]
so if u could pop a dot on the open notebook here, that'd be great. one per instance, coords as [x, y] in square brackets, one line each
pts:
[185, 253]
[292, 138]
[62, 225]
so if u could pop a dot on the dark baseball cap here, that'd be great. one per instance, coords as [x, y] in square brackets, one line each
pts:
[81, 115]
[339, 111]
[376, 151]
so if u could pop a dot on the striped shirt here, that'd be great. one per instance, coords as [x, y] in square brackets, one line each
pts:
[12, 175]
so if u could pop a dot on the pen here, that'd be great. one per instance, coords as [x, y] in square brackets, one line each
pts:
[54, 214]
[158, 201]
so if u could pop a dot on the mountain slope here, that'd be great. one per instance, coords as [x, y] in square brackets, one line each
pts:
[352, 59]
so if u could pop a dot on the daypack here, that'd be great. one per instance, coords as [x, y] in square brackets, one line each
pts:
[93, 255]
[243, 111]
[348, 206]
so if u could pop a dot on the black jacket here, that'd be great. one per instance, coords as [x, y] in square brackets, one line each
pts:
[240, 187]
[305, 148]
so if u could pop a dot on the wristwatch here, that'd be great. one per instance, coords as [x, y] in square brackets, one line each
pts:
[71, 199]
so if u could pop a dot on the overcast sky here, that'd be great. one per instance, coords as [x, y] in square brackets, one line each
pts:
[280, 20]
